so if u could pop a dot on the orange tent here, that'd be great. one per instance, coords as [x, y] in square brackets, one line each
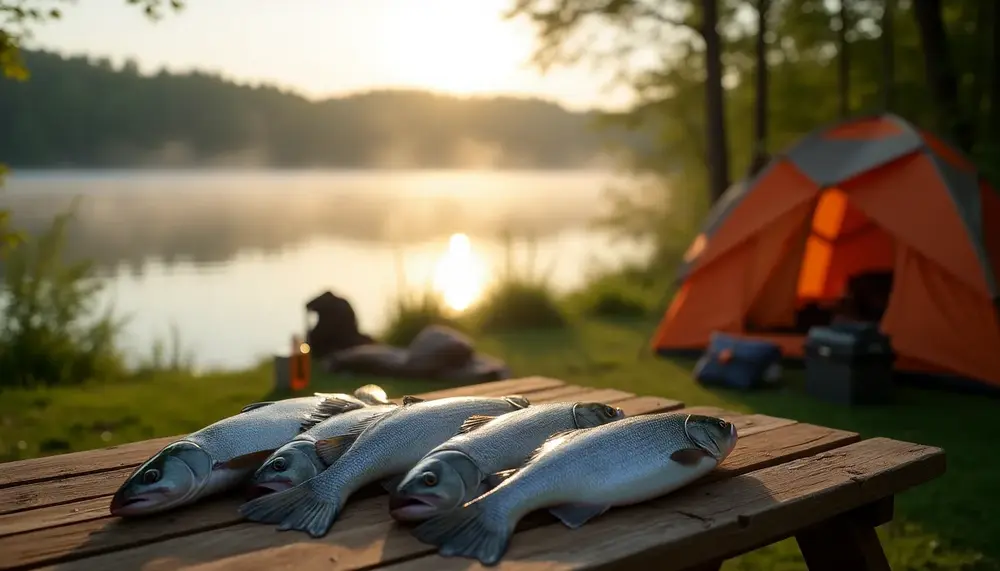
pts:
[876, 199]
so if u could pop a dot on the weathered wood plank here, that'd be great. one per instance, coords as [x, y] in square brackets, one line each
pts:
[132, 454]
[721, 519]
[106, 533]
[361, 543]
[52, 516]
[94, 483]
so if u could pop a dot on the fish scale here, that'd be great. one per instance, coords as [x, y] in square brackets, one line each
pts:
[400, 440]
[264, 428]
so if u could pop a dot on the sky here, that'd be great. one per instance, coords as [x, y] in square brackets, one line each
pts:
[324, 48]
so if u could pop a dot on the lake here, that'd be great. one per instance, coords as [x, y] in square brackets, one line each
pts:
[230, 258]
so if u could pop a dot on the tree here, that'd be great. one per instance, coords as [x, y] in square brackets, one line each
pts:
[941, 75]
[760, 153]
[888, 55]
[844, 61]
[17, 17]
[675, 30]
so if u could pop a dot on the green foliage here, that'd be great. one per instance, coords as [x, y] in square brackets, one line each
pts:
[117, 117]
[614, 296]
[165, 357]
[412, 313]
[520, 299]
[51, 332]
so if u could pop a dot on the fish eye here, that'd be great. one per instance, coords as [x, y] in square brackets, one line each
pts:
[151, 476]
[610, 411]
[279, 464]
[429, 479]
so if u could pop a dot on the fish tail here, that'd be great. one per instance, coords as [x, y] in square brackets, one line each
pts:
[465, 532]
[297, 508]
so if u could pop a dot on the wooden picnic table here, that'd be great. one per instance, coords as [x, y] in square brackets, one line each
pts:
[826, 487]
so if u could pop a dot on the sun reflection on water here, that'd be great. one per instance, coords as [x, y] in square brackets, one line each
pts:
[459, 274]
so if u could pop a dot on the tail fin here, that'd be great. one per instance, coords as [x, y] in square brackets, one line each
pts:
[465, 532]
[372, 395]
[296, 508]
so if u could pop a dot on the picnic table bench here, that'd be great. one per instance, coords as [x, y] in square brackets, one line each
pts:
[826, 487]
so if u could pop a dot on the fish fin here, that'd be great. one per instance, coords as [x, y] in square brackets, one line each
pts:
[392, 482]
[372, 394]
[296, 508]
[331, 449]
[250, 461]
[552, 442]
[410, 399]
[575, 515]
[465, 532]
[366, 422]
[517, 401]
[493, 480]
[689, 456]
[331, 405]
[255, 406]
[474, 422]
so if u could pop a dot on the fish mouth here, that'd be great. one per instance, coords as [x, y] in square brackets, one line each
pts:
[263, 488]
[121, 506]
[413, 508]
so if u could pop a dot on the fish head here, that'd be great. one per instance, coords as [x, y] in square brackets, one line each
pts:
[288, 467]
[432, 487]
[517, 401]
[714, 435]
[171, 478]
[591, 414]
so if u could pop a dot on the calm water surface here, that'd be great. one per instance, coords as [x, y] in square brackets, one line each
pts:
[230, 258]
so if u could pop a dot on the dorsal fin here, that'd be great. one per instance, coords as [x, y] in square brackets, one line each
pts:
[372, 394]
[410, 399]
[330, 449]
[255, 406]
[551, 443]
[474, 422]
[366, 423]
[330, 405]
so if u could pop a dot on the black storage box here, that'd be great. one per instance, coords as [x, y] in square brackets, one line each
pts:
[849, 363]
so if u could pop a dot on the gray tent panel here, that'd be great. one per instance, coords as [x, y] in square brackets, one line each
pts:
[829, 162]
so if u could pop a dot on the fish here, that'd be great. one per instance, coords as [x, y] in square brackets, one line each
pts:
[578, 475]
[223, 455]
[297, 461]
[458, 471]
[386, 448]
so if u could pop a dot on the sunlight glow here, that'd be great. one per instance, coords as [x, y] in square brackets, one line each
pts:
[458, 276]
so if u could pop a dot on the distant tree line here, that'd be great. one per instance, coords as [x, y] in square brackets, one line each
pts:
[84, 112]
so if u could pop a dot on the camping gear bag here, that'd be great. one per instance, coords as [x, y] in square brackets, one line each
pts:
[736, 362]
[849, 363]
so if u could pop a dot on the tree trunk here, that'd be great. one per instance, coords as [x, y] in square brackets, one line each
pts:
[994, 118]
[888, 55]
[715, 110]
[843, 58]
[941, 77]
[760, 111]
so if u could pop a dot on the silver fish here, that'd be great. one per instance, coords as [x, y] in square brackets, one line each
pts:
[580, 474]
[222, 455]
[386, 448]
[298, 461]
[456, 472]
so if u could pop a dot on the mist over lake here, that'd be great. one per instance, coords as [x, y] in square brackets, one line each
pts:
[231, 257]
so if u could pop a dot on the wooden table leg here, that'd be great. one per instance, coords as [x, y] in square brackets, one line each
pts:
[848, 541]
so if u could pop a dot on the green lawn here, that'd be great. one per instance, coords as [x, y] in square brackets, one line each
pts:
[945, 525]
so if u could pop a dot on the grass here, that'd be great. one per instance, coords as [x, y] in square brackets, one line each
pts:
[946, 525]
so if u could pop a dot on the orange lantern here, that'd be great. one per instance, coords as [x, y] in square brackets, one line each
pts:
[299, 365]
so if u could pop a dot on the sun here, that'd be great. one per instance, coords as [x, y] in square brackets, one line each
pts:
[455, 46]
[458, 276]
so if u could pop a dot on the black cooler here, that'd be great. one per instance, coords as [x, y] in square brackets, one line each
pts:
[849, 363]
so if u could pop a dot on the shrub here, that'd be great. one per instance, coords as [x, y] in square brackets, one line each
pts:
[519, 299]
[50, 330]
[612, 296]
[411, 314]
